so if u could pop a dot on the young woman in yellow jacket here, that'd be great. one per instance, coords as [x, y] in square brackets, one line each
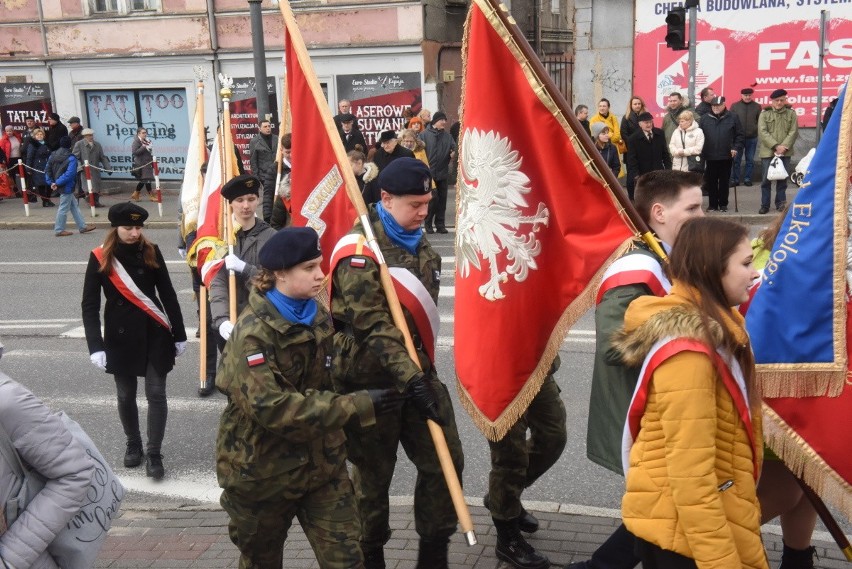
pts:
[693, 444]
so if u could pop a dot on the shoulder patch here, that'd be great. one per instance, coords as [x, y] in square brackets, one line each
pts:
[256, 359]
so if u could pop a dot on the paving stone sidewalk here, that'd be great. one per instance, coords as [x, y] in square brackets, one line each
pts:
[197, 537]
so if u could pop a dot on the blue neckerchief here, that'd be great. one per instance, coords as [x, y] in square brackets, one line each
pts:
[292, 309]
[407, 239]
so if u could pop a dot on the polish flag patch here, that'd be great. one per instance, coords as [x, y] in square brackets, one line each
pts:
[256, 359]
[358, 262]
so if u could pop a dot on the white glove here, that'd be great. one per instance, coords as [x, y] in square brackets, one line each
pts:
[225, 329]
[234, 263]
[182, 253]
[180, 348]
[99, 360]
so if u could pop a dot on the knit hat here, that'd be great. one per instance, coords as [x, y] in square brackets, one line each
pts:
[439, 116]
[406, 176]
[127, 214]
[289, 247]
[241, 186]
[598, 128]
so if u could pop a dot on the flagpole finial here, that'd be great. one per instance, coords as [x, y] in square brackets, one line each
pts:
[226, 82]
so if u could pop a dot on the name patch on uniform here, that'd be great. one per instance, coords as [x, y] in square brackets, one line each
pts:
[256, 359]
[358, 262]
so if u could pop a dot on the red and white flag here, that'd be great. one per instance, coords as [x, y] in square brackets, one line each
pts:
[317, 189]
[536, 226]
[191, 188]
[209, 249]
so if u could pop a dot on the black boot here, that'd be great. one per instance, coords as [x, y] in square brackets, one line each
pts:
[133, 456]
[514, 549]
[433, 553]
[374, 558]
[209, 386]
[154, 466]
[526, 521]
[797, 558]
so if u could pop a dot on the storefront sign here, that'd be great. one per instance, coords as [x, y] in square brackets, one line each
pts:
[378, 100]
[244, 113]
[21, 100]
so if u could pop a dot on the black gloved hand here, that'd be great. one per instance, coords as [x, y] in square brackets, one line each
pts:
[422, 392]
[385, 400]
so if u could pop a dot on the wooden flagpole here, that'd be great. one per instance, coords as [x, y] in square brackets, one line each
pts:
[227, 167]
[202, 291]
[283, 126]
[354, 194]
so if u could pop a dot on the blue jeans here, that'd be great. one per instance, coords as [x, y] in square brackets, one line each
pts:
[748, 152]
[68, 202]
[780, 185]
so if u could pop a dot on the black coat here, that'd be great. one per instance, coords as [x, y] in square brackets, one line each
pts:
[132, 338]
[36, 158]
[643, 156]
[722, 134]
[629, 125]
[54, 134]
[356, 137]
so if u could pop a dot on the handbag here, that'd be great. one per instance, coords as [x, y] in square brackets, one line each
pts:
[78, 545]
[776, 169]
[693, 163]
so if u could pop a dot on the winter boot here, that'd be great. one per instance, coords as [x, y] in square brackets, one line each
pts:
[526, 521]
[209, 386]
[797, 558]
[433, 553]
[514, 549]
[134, 196]
[154, 466]
[133, 455]
[374, 558]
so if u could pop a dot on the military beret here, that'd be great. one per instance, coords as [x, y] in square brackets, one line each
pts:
[778, 93]
[241, 186]
[387, 135]
[73, 120]
[289, 247]
[646, 116]
[347, 117]
[406, 176]
[717, 100]
[747, 91]
[127, 214]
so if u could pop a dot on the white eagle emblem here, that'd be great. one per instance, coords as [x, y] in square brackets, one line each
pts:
[491, 196]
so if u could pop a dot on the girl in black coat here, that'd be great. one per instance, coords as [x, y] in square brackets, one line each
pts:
[136, 342]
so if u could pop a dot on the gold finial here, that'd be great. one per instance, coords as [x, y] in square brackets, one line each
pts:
[226, 83]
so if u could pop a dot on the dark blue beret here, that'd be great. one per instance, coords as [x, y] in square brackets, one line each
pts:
[778, 93]
[241, 186]
[406, 176]
[127, 214]
[289, 247]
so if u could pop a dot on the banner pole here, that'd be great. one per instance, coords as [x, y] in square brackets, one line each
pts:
[22, 173]
[227, 156]
[440, 442]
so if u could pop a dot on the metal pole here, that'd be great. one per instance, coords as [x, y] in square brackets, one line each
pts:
[823, 24]
[693, 31]
[259, 60]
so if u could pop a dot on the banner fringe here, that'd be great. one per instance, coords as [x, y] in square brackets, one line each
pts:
[805, 463]
[775, 384]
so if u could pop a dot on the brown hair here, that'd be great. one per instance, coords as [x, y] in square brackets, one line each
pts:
[699, 258]
[263, 280]
[149, 254]
[663, 186]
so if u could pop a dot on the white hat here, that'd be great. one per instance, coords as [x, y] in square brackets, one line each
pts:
[87, 131]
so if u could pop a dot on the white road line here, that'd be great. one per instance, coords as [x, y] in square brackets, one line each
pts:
[19, 326]
[39, 320]
[195, 485]
[175, 403]
[80, 332]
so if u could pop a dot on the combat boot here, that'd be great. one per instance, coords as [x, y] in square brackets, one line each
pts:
[526, 521]
[433, 553]
[154, 466]
[797, 558]
[374, 558]
[133, 456]
[514, 549]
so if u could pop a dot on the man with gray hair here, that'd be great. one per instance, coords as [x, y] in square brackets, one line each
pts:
[91, 150]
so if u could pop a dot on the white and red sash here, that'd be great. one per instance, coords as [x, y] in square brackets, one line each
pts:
[411, 292]
[728, 368]
[124, 284]
[635, 269]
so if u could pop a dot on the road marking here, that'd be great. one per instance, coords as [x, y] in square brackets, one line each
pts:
[80, 332]
[175, 403]
[38, 320]
[198, 485]
[19, 326]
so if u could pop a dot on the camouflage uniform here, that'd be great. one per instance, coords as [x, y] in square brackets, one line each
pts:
[517, 462]
[360, 310]
[280, 449]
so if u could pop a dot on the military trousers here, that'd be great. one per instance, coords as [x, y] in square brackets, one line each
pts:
[517, 461]
[260, 520]
[372, 453]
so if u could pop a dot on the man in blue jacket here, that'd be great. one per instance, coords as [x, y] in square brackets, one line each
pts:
[61, 176]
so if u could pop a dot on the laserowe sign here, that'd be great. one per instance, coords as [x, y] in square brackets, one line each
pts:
[763, 44]
[379, 99]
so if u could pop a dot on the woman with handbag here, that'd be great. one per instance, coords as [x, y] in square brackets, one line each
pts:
[143, 334]
[686, 144]
[143, 169]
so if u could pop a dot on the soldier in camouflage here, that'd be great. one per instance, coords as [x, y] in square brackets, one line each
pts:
[280, 449]
[380, 360]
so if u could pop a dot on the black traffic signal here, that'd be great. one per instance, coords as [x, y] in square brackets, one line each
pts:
[676, 29]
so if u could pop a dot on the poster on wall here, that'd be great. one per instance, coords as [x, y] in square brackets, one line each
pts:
[244, 113]
[21, 100]
[115, 116]
[378, 100]
[762, 44]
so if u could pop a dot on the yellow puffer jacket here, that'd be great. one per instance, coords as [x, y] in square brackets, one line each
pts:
[612, 122]
[691, 443]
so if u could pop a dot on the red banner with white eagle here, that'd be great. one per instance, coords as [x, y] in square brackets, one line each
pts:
[536, 226]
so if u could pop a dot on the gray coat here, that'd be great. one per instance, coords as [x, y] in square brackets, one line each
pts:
[439, 145]
[94, 153]
[142, 158]
[49, 448]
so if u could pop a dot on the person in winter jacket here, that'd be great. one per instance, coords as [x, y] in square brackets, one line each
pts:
[601, 135]
[142, 149]
[630, 120]
[687, 140]
[693, 440]
[723, 140]
[263, 149]
[47, 447]
[674, 107]
[777, 130]
[37, 156]
[88, 149]
[143, 327]
[647, 150]
[603, 115]
[56, 130]
[61, 175]
[748, 111]
[440, 151]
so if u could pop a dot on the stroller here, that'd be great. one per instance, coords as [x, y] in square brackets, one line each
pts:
[798, 173]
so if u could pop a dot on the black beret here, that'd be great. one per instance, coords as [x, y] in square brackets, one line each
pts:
[241, 186]
[74, 120]
[127, 214]
[747, 91]
[289, 247]
[65, 142]
[717, 100]
[646, 116]
[406, 176]
[439, 116]
[387, 135]
[347, 117]
[778, 93]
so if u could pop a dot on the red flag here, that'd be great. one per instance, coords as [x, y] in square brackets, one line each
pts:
[536, 226]
[317, 193]
[208, 250]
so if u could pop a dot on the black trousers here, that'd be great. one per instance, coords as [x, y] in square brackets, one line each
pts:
[128, 412]
[438, 206]
[717, 174]
[617, 552]
[655, 557]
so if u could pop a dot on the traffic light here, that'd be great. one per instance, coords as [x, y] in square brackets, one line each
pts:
[676, 29]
